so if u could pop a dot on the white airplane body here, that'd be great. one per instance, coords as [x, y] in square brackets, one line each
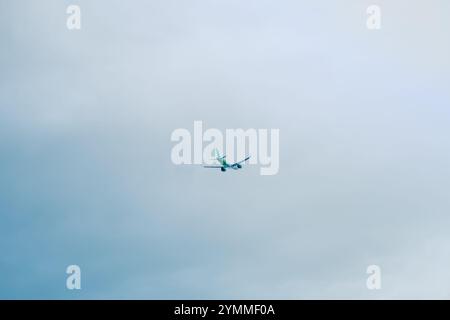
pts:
[223, 164]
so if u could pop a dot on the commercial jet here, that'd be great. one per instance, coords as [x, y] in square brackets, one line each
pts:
[223, 163]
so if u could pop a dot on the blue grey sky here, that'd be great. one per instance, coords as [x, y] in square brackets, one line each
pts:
[85, 170]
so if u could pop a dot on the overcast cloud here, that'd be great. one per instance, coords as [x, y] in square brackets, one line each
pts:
[85, 170]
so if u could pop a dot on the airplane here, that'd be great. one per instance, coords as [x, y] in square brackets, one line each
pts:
[223, 164]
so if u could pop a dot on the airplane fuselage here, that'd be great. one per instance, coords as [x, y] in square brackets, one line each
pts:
[226, 166]
[223, 165]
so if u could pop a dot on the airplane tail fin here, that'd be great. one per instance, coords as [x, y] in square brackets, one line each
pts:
[216, 154]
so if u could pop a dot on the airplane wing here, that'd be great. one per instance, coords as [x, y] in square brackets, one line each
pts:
[241, 161]
[212, 167]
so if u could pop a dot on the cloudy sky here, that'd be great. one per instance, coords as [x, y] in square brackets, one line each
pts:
[86, 176]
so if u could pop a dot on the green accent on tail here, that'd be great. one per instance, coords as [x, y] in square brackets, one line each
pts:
[216, 155]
